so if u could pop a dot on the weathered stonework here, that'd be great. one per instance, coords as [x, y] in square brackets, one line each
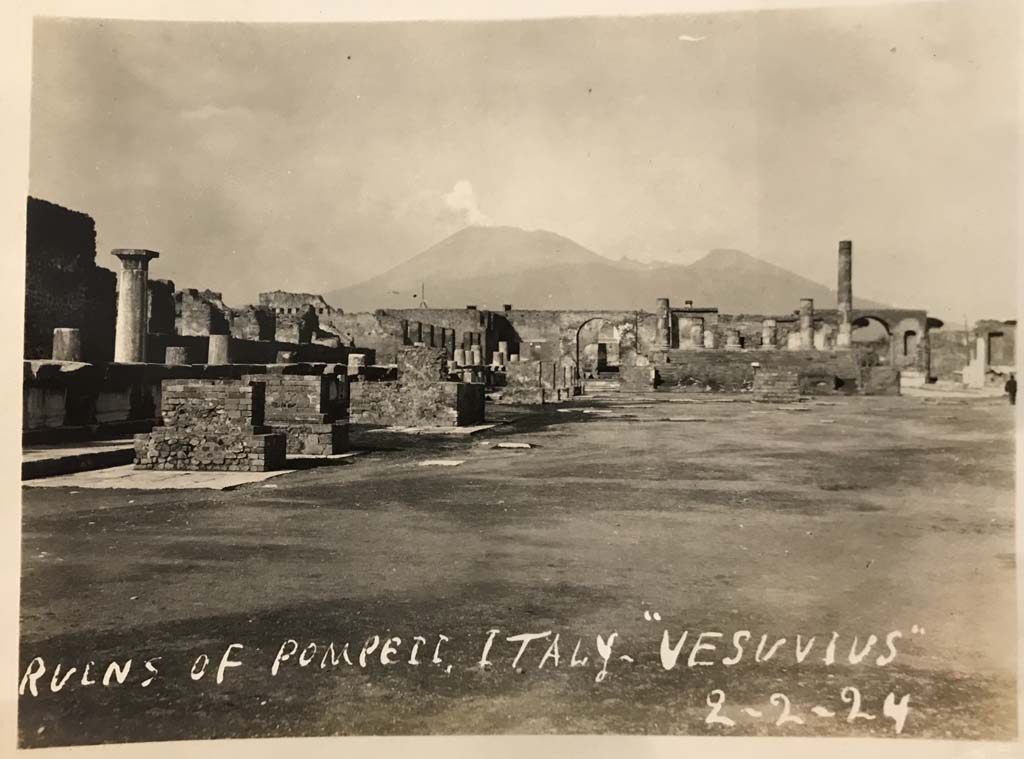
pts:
[430, 404]
[211, 425]
[776, 386]
[311, 409]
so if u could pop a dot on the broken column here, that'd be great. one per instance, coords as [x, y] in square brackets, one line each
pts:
[732, 340]
[220, 350]
[460, 357]
[768, 334]
[176, 355]
[807, 324]
[709, 338]
[132, 304]
[67, 344]
[355, 362]
[844, 295]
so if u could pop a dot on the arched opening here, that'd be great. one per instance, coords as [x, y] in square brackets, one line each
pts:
[603, 345]
[873, 336]
[910, 343]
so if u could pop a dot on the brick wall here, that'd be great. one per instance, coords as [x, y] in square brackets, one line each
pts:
[733, 371]
[422, 364]
[211, 425]
[311, 410]
[778, 386]
[436, 404]
[63, 285]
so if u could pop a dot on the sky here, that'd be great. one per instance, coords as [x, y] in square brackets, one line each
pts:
[309, 157]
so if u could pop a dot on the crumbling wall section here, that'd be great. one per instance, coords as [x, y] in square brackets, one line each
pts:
[428, 404]
[63, 285]
[211, 425]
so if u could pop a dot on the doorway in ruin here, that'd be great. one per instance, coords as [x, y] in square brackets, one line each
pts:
[873, 336]
[603, 345]
[909, 343]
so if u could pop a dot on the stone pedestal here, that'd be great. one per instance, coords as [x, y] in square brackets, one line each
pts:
[132, 304]
[176, 354]
[220, 352]
[67, 344]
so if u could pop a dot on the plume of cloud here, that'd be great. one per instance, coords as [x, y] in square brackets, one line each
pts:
[463, 202]
[688, 38]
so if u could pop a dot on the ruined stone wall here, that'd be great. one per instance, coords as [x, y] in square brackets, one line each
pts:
[778, 386]
[428, 404]
[733, 371]
[951, 352]
[422, 364]
[286, 303]
[162, 308]
[63, 285]
[200, 313]
[551, 335]
[211, 425]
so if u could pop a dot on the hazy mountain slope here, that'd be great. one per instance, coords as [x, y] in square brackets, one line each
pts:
[490, 266]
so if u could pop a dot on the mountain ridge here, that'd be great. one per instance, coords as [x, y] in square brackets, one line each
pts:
[539, 269]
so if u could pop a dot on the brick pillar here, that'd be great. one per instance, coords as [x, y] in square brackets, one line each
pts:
[132, 304]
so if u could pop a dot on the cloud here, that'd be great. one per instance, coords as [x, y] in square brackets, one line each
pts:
[688, 38]
[462, 201]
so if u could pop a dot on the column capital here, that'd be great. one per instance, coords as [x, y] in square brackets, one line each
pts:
[134, 255]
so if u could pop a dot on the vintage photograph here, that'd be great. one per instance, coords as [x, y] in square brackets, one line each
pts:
[596, 375]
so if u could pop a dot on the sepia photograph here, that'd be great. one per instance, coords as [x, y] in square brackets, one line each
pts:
[612, 374]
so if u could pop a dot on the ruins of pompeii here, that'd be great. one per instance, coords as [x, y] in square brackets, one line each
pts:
[353, 516]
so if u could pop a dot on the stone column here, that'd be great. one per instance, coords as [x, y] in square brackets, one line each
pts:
[807, 324]
[844, 297]
[663, 336]
[132, 304]
[768, 334]
[405, 332]
[732, 339]
[176, 355]
[709, 338]
[697, 332]
[67, 344]
[220, 351]
[460, 357]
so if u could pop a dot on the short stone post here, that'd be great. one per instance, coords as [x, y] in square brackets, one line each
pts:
[768, 334]
[220, 351]
[67, 344]
[176, 355]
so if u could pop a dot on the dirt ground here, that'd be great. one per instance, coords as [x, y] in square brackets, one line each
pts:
[842, 520]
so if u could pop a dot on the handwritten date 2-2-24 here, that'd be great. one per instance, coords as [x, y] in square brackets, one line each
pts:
[784, 714]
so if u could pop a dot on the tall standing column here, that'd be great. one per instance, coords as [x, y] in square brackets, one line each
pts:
[807, 324]
[664, 329]
[844, 295]
[132, 304]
